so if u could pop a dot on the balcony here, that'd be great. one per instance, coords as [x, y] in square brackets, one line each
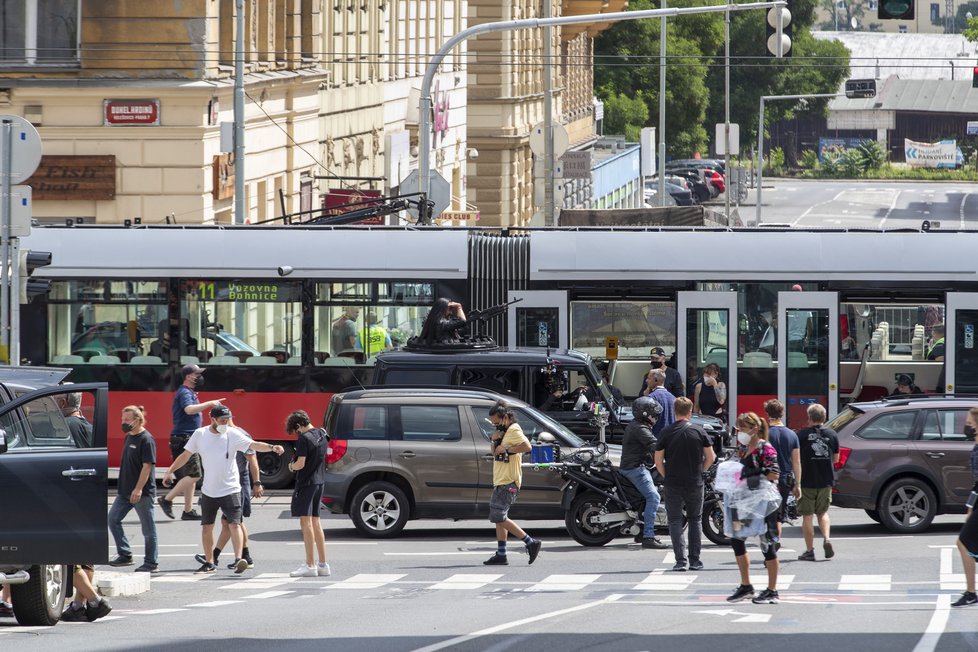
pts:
[583, 7]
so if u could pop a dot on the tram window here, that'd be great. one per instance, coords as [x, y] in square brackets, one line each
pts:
[409, 293]
[638, 325]
[361, 331]
[103, 321]
[892, 331]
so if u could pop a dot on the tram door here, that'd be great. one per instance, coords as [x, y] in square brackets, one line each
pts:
[538, 320]
[706, 332]
[808, 353]
[961, 344]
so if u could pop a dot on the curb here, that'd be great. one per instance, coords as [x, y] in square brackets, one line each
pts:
[112, 584]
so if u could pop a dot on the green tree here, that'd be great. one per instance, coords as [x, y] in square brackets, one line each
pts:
[625, 115]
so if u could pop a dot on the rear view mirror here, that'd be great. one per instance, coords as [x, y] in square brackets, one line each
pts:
[3, 441]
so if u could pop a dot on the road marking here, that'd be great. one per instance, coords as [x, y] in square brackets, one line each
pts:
[432, 554]
[267, 594]
[156, 612]
[338, 543]
[365, 581]
[563, 583]
[932, 635]
[961, 210]
[658, 581]
[216, 603]
[465, 581]
[784, 581]
[866, 583]
[896, 196]
[452, 642]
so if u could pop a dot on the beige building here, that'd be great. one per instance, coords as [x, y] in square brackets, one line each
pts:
[128, 98]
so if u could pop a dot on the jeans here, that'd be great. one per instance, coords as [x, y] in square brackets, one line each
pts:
[144, 510]
[692, 497]
[642, 479]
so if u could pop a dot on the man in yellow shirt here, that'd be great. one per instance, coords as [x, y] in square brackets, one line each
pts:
[508, 445]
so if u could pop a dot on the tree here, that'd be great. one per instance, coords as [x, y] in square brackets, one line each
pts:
[625, 115]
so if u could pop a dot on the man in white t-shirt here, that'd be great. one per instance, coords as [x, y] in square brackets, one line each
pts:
[218, 445]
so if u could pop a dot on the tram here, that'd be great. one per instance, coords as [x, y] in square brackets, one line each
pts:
[283, 317]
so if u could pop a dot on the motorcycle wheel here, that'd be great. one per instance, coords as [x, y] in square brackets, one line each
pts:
[713, 524]
[579, 521]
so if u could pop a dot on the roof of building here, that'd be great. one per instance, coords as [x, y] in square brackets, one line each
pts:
[909, 56]
[917, 95]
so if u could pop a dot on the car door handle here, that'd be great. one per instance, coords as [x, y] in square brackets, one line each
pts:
[935, 455]
[78, 473]
[408, 454]
[488, 458]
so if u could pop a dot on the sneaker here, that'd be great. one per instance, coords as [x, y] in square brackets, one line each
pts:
[251, 562]
[496, 560]
[808, 555]
[121, 560]
[767, 596]
[205, 568]
[695, 565]
[654, 543]
[967, 599]
[94, 613]
[6, 609]
[305, 571]
[679, 567]
[322, 569]
[192, 515]
[148, 568]
[166, 506]
[72, 615]
[829, 552]
[240, 566]
[533, 549]
[743, 592]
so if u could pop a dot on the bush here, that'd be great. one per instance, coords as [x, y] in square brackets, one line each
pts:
[809, 159]
[775, 163]
[874, 156]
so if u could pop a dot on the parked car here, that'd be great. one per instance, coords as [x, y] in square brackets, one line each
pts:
[681, 195]
[53, 495]
[904, 461]
[397, 454]
[701, 189]
[712, 163]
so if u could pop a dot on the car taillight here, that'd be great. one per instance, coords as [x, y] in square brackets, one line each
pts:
[843, 457]
[336, 450]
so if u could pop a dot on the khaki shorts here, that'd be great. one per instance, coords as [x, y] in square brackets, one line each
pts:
[814, 501]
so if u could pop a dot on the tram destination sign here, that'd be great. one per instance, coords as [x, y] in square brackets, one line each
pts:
[245, 291]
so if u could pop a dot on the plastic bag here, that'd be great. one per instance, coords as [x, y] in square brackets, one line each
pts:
[744, 509]
[728, 476]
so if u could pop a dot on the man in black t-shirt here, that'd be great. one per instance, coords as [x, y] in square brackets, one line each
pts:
[819, 448]
[674, 381]
[683, 452]
[80, 428]
[309, 466]
[137, 490]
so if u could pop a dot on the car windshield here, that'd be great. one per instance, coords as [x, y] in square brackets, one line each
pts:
[231, 342]
[844, 418]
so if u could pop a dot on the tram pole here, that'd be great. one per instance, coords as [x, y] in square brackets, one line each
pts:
[6, 209]
[424, 104]
[239, 116]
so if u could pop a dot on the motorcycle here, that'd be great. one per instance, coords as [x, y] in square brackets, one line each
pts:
[599, 503]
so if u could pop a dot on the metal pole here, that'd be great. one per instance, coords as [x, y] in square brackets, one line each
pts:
[662, 110]
[239, 115]
[760, 161]
[726, 113]
[5, 218]
[424, 104]
[15, 302]
[549, 209]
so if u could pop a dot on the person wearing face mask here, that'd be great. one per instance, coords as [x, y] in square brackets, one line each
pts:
[218, 445]
[187, 409]
[137, 490]
[968, 536]
[759, 460]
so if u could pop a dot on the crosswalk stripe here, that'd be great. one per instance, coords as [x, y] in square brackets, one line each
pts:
[563, 583]
[953, 582]
[658, 581]
[267, 594]
[365, 581]
[866, 583]
[784, 581]
[216, 603]
[465, 581]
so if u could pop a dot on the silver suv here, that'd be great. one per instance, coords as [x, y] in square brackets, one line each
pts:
[409, 453]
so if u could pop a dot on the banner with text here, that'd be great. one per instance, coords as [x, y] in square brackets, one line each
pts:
[930, 155]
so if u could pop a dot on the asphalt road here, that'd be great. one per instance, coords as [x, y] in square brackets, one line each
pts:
[428, 590]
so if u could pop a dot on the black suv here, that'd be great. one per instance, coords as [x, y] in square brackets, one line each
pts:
[53, 495]
[397, 454]
[904, 460]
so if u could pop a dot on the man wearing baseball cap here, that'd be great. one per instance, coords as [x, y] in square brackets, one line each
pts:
[218, 445]
[187, 409]
[674, 382]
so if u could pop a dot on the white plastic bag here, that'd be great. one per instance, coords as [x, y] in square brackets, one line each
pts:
[744, 509]
[728, 476]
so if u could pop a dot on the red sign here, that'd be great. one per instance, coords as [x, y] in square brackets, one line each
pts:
[132, 112]
[334, 203]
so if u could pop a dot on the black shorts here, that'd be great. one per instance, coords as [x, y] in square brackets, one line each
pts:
[969, 533]
[229, 505]
[245, 502]
[192, 467]
[306, 501]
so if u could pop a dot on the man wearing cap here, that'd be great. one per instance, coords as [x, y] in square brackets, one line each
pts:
[187, 409]
[674, 382]
[218, 445]
[905, 387]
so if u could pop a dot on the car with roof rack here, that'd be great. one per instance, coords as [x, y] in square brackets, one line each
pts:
[904, 460]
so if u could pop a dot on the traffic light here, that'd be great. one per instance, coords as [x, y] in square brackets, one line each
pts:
[895, 10]
[782, 49]
[974, 77]
[30, 288]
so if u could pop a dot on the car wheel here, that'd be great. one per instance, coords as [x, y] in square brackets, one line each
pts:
[380, 510]
[873, 514]
[580, 521]
[39, 601]
[907, 506]
[274, 468]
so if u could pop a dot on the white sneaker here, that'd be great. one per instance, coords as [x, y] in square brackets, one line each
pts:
[323, 569]
[304, 571]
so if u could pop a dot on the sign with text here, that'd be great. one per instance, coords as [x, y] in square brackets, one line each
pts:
[248, 290]
[223, 176]
[336, 200]
[132, 113]
[64, 178]
[577, 165]
[930, 155]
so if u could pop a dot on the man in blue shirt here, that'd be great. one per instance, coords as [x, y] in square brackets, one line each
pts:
[657, 391]
[187, 409]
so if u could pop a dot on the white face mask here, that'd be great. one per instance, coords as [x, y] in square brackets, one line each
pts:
[221, 428]
[743, 438]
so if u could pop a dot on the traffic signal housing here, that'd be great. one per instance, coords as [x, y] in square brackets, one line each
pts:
[974, 77]
[895, 10]
[31, 288]
[782, 49]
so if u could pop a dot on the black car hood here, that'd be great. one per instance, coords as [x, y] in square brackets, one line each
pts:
[36, 377]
